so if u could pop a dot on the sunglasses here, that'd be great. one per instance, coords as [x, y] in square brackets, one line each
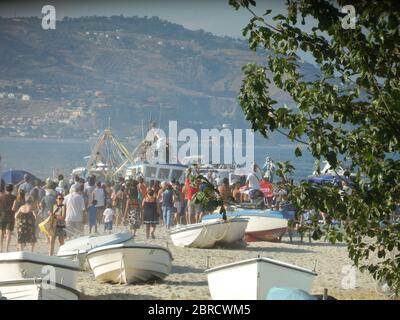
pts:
[60, 198]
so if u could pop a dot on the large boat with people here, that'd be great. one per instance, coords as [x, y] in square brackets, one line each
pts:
[151, 160]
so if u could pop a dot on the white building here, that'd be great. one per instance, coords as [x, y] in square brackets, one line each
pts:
[25, 97]
[11, 96]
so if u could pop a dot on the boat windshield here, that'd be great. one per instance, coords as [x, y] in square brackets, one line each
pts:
[150, 172]
[176, 174]
[163, 174]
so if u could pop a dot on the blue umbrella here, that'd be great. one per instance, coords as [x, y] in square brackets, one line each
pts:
[16, 176]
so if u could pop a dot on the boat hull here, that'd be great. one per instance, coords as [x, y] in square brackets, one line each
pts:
[77, 249]
[131, 264]
[262, 225]
[208, 234]
[79, 257]
[265, 228]
[235, 232]
[23, 265]
[252, 279]
[31, 289]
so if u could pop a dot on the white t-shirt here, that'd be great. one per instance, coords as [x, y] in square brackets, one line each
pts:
[99, 197]
[108, 215]
[254, 181]
[75, 205]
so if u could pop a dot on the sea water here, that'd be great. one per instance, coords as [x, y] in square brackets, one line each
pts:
[42, 157]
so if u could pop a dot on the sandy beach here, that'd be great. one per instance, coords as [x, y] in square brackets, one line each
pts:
[187, 280]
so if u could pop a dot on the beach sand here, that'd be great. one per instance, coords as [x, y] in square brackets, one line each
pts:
[187, 280]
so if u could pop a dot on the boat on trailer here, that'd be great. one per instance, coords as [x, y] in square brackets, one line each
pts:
[129, 263]
[78, 248]
[252, 279]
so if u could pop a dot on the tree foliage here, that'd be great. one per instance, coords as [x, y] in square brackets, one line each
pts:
[351, 111]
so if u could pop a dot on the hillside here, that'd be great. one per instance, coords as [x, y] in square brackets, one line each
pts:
[68, 81]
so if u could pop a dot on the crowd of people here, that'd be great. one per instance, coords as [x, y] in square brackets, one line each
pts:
[66, 207]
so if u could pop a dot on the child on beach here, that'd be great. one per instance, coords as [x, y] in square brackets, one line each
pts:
[108, 215]
[92, 216]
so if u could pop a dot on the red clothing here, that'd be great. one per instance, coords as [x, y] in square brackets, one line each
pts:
[266, 188]
[190, 191]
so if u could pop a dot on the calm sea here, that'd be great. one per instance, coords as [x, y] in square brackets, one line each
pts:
[42, 156]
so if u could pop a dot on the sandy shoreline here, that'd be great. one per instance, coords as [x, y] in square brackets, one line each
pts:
[187, 280]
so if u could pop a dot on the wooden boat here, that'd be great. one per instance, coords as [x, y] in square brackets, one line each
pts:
[252, 279]
[33, 289]
[207, 233]
[128, 263]
[26, 265]
[263, 225]
[78, 248]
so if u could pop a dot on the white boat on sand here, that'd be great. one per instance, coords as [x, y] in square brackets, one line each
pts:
[128, 263]
[33, 289]
[235, 231]
[77, 249]
[252, 279]
[263, 224]
[207, 233]
[26, 265]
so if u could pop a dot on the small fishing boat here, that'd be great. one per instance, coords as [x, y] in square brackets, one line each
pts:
[263, 224]
[207, 233]
[26, 265]
[129, 263]
[33, 289]
[77, 249]
[252, 279]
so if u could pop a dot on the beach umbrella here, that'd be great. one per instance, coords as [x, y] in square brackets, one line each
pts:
[16, 176]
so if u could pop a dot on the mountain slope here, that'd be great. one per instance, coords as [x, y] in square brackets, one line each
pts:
[123, 68]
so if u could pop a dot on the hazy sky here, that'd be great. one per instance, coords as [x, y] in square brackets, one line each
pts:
[215, 16]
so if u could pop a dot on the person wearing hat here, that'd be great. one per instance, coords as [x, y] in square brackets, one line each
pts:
[7, 218]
